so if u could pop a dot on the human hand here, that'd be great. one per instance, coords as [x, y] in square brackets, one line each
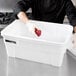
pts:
[33, 29]
[74, 29]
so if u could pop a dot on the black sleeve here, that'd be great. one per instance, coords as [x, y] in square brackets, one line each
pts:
[71, 12]
[22, 5]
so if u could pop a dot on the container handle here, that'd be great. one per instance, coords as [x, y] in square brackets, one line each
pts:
[10, 41]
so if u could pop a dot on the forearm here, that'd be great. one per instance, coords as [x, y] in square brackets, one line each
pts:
[23, 17]
[32, 28]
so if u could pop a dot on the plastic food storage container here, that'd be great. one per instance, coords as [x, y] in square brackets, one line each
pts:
[49, 48]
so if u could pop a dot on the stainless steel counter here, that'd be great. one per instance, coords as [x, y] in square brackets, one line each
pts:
[19, 67]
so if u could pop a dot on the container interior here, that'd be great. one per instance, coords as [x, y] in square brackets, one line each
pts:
[51, 32]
